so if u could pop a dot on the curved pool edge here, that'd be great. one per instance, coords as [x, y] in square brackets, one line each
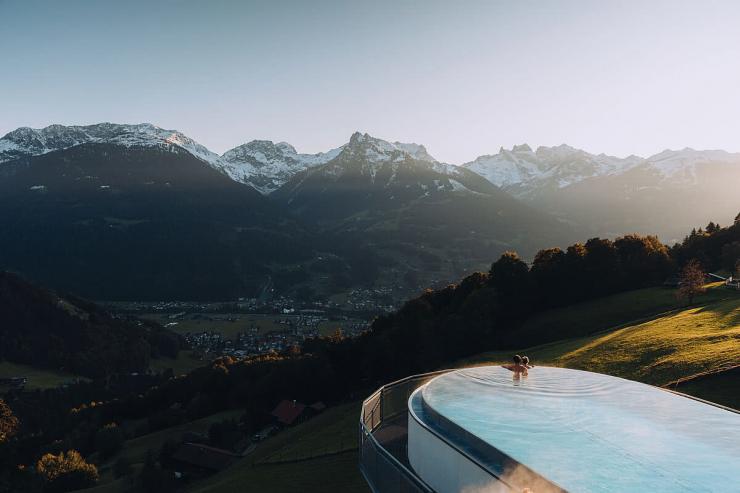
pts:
[485, 455]
[389, 470]
[451, 459]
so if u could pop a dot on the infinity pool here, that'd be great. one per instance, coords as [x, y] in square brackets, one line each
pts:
[588, 432]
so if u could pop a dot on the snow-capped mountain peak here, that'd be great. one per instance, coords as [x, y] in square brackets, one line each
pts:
[417, 151]
[371, 149]
[266, 165]
[524, 171]
[26, 141]
[263, 164]
[377, 150]
[684, 163]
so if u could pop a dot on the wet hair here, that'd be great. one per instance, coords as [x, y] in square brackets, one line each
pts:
[517, 359]
[525, 360]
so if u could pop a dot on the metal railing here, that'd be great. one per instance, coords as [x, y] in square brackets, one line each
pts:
[383, 437]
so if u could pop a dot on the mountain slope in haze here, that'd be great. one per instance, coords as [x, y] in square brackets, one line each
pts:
[667, 196]
[526, 173]
[107, 221]
[419, 216]
[667, 193]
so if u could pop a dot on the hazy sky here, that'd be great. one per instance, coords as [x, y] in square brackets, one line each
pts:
[461, 77]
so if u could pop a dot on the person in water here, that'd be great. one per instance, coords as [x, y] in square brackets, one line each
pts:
[518, 367]
[525, 362]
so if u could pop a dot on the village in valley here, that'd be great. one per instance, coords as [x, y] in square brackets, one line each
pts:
[253, 326]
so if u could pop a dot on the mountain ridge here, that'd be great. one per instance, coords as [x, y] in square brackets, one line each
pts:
[596, 193]
[266, 165]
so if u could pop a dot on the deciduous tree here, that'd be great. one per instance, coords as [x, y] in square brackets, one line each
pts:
[8, 422]
[109, 440]
[691, 281]
[66, 472]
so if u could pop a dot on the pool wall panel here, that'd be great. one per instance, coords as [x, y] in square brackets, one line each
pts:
[443, 467]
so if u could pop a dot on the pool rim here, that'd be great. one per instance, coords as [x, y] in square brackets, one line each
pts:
[417, 396]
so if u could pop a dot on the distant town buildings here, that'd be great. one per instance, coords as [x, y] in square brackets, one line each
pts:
[293, 321]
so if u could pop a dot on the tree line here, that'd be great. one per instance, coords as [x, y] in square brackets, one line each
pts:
[46, 330]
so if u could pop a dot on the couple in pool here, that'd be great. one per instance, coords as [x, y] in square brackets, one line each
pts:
[520, 366]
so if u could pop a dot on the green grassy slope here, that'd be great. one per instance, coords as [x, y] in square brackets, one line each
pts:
[184, 363]
[38, 378]
[718, 387]
[136, 449]
[331, 469]
[318, 455]
[676, 345]
[605, 313]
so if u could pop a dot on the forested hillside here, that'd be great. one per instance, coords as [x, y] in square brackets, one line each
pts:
[41, 328]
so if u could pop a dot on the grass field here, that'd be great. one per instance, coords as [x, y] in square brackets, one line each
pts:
[605, 313]
[37, 378]
[228, 324]
[329, 327]
[326, 433]
[715, 388]
[329, 473]
[184, 363]
[676, 345]
[318, 455]
[332, 432]
[136, 449]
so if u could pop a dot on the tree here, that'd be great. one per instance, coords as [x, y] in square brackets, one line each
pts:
[691, 281]
[149, 475]
[549, 272]
[66, 471]
[109, 440]
[643, 260]
[509, 275]
[153, 478]
[8, 422]
[601, 266]
[730, 256]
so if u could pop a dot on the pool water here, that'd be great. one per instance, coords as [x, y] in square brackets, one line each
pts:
[588, 432]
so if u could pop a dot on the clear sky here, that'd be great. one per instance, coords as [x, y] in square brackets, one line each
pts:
[461, 77]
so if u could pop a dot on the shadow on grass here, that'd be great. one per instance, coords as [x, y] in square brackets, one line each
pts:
[728, 309]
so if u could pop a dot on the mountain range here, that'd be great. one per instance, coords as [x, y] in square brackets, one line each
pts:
[154, 208]
[266, 165]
